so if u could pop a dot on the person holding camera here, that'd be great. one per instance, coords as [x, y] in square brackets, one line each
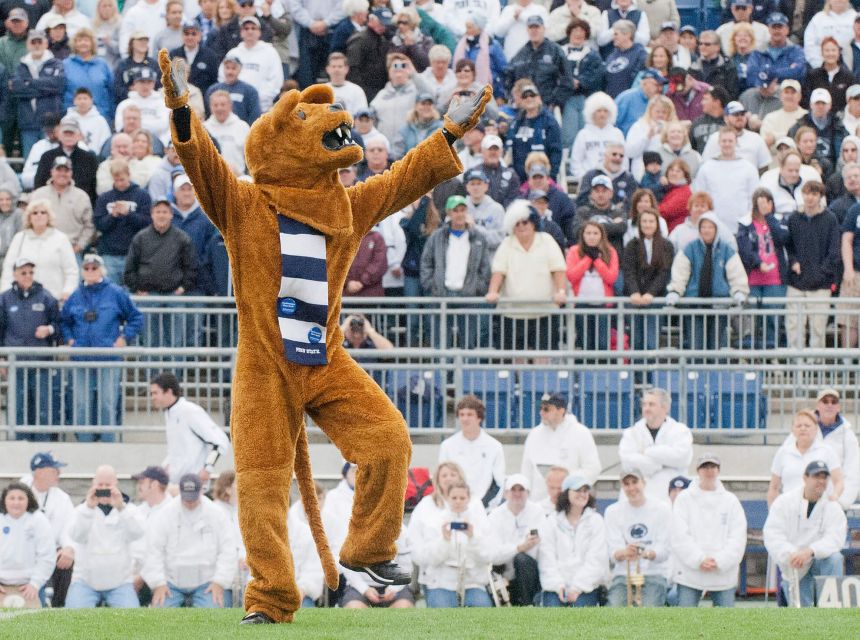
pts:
[358, 333]
[103, 529]
[98, 314]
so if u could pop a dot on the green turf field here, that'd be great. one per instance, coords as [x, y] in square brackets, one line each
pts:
[504, 624]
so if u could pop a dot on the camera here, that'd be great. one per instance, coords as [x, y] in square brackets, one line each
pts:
[102, 493]
[91, 315]
[533, 532]
[459, 526]
[356, 324]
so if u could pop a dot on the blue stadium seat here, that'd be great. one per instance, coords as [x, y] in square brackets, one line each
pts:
[756, 513]
[606, 398]
[419, 395]
[852, 546]
[736, 400]
[696, 400]
[495, 388]
[533, 384]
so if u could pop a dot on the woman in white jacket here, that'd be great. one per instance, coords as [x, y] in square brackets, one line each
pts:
[454, 552]
[709, 537]
[573, 557]
[27, 551]
[48, 247]
[646, 134]
[599, 131]
[836, 20]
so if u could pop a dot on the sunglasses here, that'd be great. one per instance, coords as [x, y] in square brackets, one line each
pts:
[401, 22]
[529, 94]
[38, 212]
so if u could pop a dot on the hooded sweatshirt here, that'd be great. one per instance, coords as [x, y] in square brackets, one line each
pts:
[261, 68]
[231, 135]
[154, 115]
[591, 141]
[94, 128]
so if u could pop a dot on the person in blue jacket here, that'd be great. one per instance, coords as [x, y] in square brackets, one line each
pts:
[85, 69]
[626, 59]
[535, 129]
[119, 214]
[783, 59]
[99, 313]
[37, 88]
[246, 99]
[587, 75]
[633, 102]
[30, 317]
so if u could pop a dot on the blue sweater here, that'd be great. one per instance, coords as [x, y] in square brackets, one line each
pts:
[199, 228]
[622, 67]
[789, 62]
[540, 133]
[21, 312]
[115, 315]
[246, 100]
[116, 233]
[95, 75]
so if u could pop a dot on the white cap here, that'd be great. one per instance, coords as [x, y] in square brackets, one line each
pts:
[492, 141]
[180, 180]
[785, 140]
[517, 479]
[820, 95]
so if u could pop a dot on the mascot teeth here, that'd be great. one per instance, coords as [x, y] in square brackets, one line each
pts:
[338, 137]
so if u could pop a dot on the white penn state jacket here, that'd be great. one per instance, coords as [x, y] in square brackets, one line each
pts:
[573, 558]
[659, 459]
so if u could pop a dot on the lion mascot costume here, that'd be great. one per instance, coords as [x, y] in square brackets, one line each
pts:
[291, 237]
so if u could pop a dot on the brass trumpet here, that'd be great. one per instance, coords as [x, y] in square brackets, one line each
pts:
[635, 581]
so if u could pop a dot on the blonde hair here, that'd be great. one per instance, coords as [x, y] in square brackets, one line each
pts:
[664, 138]
[118, 166]
[411, 14]
[146, 134]
[113, 21]
[439, 52]
[656, 102]
[805, 413]
[438, 495]
[536, 157]
[231, 4]
[740, 27]
[85, 33]
[39, 204]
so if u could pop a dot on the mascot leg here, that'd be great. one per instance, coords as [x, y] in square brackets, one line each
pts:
[363, 423]
[265, 428]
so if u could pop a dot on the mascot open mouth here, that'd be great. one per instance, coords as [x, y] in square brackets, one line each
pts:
[338, 138]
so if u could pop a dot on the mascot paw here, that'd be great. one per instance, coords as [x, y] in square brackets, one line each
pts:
[257, 617]
[174, 80]
[464, 115]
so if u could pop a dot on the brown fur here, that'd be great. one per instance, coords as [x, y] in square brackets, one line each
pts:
[271, 394]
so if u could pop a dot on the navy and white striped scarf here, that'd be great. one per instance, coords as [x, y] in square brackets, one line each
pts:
[303, 298]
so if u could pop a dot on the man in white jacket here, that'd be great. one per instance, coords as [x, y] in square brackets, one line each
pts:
[599, 132]
[559, 440]
[805, 532]
[152, 492]
[228, 129]
[337, 508]
[479, 454]
[261, 64]
[514, 528]
[103, 530]
[637, 532]
[154, 116]
[709, 537]
[838, 434]
[191, 557]
[194, 441]
[657, 445]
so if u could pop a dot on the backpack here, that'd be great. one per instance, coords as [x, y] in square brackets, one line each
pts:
[420, 484]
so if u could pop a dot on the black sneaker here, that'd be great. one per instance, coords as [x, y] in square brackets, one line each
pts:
[257, 617]
[385, 573]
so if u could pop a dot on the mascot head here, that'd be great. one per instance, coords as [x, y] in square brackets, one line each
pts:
[303, 139]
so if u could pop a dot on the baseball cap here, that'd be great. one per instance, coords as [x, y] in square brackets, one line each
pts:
[180, 180]
[366, 111]
[785, 140]
[734, 108]
[140, 34]
[777, 18]
[574, 482]
[536, 194]
[36, 34]
[153, 473]
[790, 83]
[815, 467]
[602, 181]
[708, 458]
[741, 3]
[93, 258]
[491, 140]
[853, 91]
[653, 74]
[62, 162]
[54, 20]
[43, 460]
[235, 59]
[247, 19]
[555, 399]
[668, 26]
[424, 97]
[820, 95]
[631, 472]
[384, 15]
[534, 20]
[766, 77]
[688, 28]
[189, 487]
[18, 15]
[679, 482]
[142, 73]
[190, 26]
[821, 394]
[517, 479]
[529, 88]
[538, 169]
[475, 174]
[23, 261]
[245, 3]
[454, 201]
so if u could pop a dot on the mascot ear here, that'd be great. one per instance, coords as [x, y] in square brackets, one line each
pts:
[285, 105]
[318, 94]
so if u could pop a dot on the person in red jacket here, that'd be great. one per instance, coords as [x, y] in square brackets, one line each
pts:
[592, 269]
[370, 264]
[673, 208]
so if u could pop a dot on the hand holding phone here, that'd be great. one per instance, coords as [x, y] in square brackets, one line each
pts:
[459, 526]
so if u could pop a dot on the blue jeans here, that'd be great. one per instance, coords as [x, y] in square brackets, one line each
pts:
[551, 599]
[96, 400]
[193, 597]
[830, 566]
[447, 599]
[767, 329]
[705, 332]
[592, 330]
[653, 592]
[29, 137]
[572, 120]
[689, 597]
[313, 59]
[81, 596]
[115, 267]
[471, 330]
[37, 402]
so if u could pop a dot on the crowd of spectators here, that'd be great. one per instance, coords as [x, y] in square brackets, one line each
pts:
[476, 534]
[741, 141]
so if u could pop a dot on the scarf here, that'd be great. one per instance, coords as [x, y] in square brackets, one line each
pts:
[303, 298]
[706, 275]
[483, 74]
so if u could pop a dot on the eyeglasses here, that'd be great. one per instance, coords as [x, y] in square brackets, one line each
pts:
[708, 44]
